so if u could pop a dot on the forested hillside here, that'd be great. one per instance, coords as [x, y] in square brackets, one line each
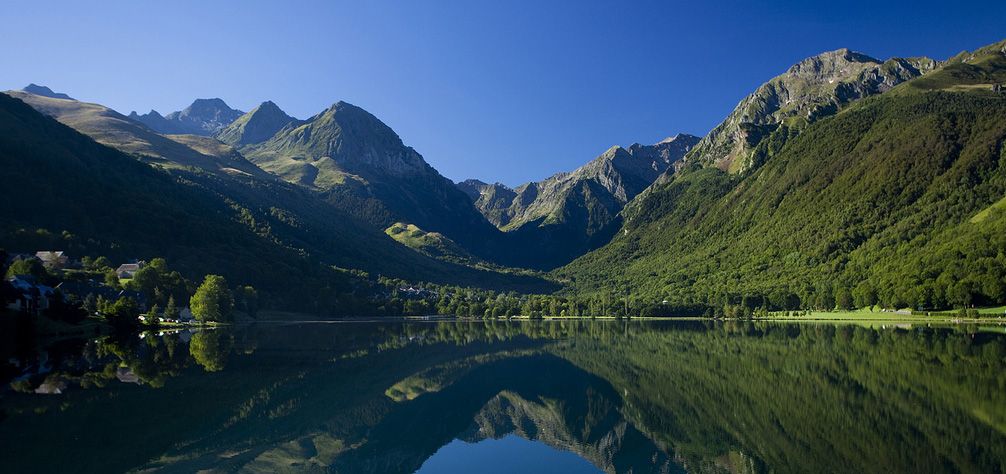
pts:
[894, 200]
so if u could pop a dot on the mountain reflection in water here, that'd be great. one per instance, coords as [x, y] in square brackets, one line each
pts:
[623, 396]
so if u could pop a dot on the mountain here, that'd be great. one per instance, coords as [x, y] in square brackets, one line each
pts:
[617, 175]
[67, 191]
[492, 200]
[257, 126]
[45, 92]
[896, 198]
[566, 215]
[204, 117]
[813, 88]
[62, 188]
[361, 165]
[115, 130]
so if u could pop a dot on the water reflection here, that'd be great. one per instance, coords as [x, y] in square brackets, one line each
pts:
[625, 397]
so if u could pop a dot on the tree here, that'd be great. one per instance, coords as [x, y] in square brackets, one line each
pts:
[99, 264]
[152, 318]
[146, 280]
[843, 298]
[124, 312]
[112, 280]
[864, 295]
[959, 294]
[26, 266]
[90, 304]
[171, 310]
[213, 300]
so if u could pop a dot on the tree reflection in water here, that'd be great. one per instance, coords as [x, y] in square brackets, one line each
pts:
[626, 396]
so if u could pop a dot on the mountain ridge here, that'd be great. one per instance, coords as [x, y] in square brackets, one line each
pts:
[812, 88]
[203, 117]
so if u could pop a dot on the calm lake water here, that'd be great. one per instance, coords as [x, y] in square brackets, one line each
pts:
[550, 397]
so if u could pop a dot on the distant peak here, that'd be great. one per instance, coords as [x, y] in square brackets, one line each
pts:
[45, 92]
[679, 136]
[213, 101]
[343, 105]
[832, 58]
[209, 105]
[269, 107]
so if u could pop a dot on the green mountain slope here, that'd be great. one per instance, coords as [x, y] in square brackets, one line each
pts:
[65, 190]
[875, 203]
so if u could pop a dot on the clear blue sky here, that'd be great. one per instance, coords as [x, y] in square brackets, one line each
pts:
[499, 90]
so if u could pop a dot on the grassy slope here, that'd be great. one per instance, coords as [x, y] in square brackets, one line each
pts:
[111, 128]
[882, 192]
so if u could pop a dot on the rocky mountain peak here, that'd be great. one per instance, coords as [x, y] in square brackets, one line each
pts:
[257, 126]
[209, 115]
[681, 137]
[812, 88]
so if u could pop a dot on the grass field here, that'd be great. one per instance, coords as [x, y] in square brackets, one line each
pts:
[985, 315]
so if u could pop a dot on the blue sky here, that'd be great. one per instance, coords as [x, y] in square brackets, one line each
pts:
[503, 91]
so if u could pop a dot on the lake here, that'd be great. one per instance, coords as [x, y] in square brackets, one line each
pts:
[508, 396]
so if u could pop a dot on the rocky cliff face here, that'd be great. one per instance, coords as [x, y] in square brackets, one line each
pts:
[492, 200]
[601, 187]
[204, 117]
[555, 220]
[815, 87]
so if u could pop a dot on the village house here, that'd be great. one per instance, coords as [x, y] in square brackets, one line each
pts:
[32, 297]
[412, 292]
[128, 270]
[53, 259]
